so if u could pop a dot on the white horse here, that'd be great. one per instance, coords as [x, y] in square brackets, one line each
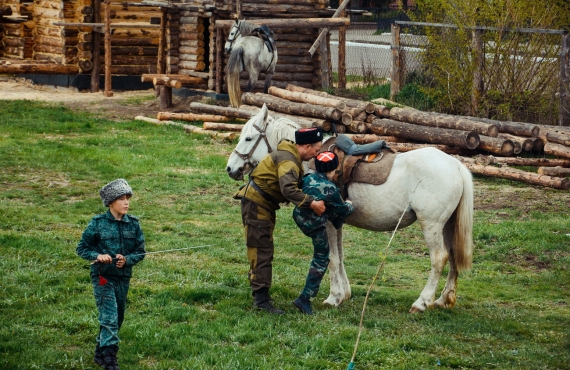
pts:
[425, 185]
[249, 53]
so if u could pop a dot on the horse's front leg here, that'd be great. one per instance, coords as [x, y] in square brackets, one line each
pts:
[339, 285]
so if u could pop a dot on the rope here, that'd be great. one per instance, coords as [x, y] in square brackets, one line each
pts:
[351, 364]
[168, 250]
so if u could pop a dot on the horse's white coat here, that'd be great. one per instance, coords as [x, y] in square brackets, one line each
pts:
[249, 53]
[432, 188]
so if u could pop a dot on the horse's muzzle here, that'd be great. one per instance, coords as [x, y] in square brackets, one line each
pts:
[236, 175]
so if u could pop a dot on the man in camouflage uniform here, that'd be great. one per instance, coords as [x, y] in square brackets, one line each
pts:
[275, 180]
[319, 185]
[115, 242]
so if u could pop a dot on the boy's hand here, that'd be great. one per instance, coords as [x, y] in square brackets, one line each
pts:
[104, 258]
[121, 260]
[318, 207]
[348, 201]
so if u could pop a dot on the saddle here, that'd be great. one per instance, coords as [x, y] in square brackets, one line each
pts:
[371, 165]
[264, 33]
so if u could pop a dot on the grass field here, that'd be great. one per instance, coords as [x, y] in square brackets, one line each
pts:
[193, 309]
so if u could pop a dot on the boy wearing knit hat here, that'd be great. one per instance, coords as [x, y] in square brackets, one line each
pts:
[114, 243]
[320, 186]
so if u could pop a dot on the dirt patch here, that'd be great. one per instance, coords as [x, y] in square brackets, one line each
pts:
[121, 106]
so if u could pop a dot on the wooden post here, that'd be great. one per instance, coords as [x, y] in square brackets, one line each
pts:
[477, 44]
[342, 55]
[96, 47]
[163, 92]
[108, 90]
[219, 60]
[325, 72]
[238, 9]
[395, 83]
[564, 109]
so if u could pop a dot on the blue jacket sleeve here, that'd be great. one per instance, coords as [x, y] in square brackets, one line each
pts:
[85, 247]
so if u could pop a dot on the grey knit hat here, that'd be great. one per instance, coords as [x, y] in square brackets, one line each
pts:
[114, 190]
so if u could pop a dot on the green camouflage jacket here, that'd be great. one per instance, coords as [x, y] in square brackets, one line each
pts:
[106, 235]
[320, 188]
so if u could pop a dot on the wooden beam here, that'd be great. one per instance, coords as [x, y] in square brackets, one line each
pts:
[288, 23]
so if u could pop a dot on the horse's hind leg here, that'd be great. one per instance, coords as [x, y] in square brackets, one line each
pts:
[268, 77]
[433, 235]
[448, 295]
[339, 286]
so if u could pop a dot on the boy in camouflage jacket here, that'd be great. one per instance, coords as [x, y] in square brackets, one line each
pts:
[114, 243]
[320, 186]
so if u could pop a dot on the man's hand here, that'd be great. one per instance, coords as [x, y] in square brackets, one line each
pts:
[318, 207]
[104, 258]
[121, 260]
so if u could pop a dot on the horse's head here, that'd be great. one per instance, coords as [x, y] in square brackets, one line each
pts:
[234, 35]
[253, 146]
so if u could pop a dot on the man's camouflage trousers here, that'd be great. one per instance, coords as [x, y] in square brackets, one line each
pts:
[259, 223]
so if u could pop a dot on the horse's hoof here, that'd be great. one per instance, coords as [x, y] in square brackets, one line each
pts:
[332, 301]
[415, 310]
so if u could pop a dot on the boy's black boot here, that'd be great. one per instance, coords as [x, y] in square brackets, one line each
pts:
[110, 360]
[261, 301]
[303, 304]
[99, 358]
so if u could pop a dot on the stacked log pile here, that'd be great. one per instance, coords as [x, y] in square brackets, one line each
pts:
[404, 129]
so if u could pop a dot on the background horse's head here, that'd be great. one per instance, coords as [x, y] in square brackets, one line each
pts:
[233, 36]
[259, 136]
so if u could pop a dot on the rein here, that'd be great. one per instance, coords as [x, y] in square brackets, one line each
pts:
[235, 36]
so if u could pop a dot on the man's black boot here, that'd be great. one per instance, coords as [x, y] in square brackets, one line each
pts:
[303, 304]
[110, 360]
[261, 301]
[99, 358]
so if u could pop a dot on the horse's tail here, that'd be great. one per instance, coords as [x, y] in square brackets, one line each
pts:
[463, 233]
[235, 65]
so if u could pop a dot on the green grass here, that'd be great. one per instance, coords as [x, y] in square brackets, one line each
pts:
[192, 309]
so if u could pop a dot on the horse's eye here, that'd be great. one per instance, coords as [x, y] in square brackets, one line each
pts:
[248, 139]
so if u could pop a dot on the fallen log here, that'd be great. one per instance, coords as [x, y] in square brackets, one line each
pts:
[163, 116]
[407, 147]
[557, 138]
[382, 111]
[286, 106]
[189, 128]
[306, 98]
[557, 149]
[526, 143]
[515, 174]
[350, 103]
[223, 111]
[538, 144]
[554, 171]
[497, 145]
[357, 127]
[222, 126]
[458, 138]
[417, 117]
[518, 161]
[508, 127]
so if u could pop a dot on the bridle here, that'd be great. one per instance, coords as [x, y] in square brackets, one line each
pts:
[235, 35]
[262, 135]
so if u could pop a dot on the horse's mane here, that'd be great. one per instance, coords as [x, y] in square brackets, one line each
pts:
[245, 27]
[283, 128]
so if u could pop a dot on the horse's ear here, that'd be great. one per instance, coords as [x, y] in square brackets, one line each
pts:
[264, 112]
